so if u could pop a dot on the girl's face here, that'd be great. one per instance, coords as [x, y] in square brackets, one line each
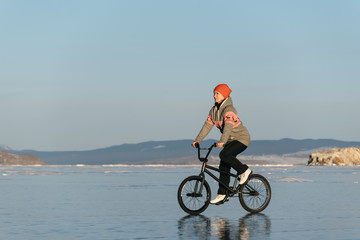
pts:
[218, 97]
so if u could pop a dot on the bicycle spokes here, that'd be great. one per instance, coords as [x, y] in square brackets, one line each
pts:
[250, 191]
[194, 195]
[255, 195]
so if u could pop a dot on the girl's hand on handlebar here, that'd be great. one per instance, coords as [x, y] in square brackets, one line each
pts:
[220, 144]
[194, 144]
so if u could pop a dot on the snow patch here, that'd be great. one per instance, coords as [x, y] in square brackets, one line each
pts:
[291, 179]
[159, 147]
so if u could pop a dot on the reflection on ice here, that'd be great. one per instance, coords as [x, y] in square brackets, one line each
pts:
[251, 226]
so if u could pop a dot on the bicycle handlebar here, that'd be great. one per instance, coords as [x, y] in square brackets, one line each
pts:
[197, 145]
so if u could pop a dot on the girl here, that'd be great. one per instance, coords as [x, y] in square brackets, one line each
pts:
[235, 138]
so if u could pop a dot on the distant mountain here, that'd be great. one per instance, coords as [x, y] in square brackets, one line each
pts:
[167, 151]
[288, 145]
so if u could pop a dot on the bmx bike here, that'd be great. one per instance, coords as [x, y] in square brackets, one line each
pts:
[194, 192]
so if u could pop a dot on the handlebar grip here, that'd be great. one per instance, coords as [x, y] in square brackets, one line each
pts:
[197, 145]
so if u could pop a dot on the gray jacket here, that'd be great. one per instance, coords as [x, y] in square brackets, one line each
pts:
[226, 119]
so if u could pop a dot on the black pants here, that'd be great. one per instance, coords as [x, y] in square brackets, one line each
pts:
[228, 159]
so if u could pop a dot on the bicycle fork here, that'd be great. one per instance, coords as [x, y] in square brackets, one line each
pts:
[197, 193]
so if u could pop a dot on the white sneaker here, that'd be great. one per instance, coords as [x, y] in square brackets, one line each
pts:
[245, 176]
[218, 198]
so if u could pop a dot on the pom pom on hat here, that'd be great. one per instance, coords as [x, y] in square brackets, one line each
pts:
[223, 89]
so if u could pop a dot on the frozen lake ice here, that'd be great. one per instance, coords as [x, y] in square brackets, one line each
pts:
[140, 202]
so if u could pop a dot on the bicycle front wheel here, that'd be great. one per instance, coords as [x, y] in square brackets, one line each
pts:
[193, 197]
[256, 194]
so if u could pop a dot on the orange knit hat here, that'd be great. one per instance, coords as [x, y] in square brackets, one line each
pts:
[223, 89]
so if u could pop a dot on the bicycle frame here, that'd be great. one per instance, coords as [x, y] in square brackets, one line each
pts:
[205, 169]
[194, 192]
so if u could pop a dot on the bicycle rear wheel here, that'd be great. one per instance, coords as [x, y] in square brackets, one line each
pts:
[256, 194]
[192, 199]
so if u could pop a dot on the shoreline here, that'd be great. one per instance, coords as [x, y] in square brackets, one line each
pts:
[165, 165]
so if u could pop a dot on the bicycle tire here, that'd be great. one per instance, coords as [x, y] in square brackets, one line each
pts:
[255, 195]
[191, 202]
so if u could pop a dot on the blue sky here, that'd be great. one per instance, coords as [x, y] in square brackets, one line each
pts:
[83, 74]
